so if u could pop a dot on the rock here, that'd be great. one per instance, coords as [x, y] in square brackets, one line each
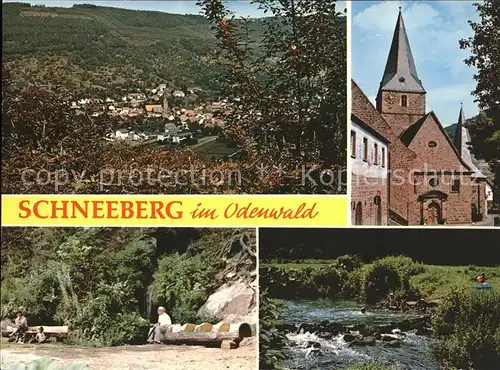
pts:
[236, 299]
[434, 303]
[384, 329]
[396, 331]
[394, 343]
[367, 332]
[325, 335]
[312, 344]
[368, 341]
[389, 337]
[393, 308]
[424, 331]
[305, 327]
[348, 337]
[228, 344]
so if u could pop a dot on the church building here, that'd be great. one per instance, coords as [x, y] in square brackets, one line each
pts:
[431, 179]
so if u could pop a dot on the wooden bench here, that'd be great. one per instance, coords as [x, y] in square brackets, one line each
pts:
[48, 330]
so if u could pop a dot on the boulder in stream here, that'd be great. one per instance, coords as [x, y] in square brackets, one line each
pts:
[390, 337]
[348, 337]
[368, 341]
[394, 343]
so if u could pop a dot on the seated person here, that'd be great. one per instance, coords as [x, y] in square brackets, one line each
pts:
[39, 337]
[164, 322]
[21, 326]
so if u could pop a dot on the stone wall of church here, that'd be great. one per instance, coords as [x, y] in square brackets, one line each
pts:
[401, 160]
[363, 192]
[439, 157]
[478, 198]
[390, 102]
[397, 116]
[400, 122]
[455, 209]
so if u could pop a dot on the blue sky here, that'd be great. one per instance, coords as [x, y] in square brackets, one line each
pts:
[240, 8]
[434, 28]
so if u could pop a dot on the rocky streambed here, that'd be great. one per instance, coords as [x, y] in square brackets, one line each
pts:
[326, 334]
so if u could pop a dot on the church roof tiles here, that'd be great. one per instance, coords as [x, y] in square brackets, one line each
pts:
[400, 71]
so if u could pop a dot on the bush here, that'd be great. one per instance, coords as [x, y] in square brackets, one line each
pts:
[468, 326]
[271, 338]
[390, 275]
[183, 284]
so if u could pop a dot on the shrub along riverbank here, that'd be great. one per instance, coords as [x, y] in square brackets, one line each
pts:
[466, 321]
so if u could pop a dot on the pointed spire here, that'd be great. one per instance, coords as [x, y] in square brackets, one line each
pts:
[457, 140]
[400, 72]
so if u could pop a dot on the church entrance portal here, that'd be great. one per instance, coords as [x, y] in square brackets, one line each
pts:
[433, 214]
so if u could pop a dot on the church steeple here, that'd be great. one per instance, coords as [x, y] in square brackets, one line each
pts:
[401, 96]
[457, 140]
[400, 72]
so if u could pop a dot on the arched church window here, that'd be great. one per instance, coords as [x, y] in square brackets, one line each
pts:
[404, 101]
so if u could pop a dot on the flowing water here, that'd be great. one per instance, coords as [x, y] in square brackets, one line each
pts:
[335, 353]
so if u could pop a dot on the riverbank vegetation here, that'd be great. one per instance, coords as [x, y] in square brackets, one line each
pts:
[468, 326]
[347, 278]
[105, 283]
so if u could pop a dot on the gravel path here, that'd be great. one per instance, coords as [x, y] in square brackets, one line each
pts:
[151, 357]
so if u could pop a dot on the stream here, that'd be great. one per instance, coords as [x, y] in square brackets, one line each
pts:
[413, 354]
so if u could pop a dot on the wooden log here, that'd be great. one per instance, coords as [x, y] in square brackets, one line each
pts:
[206, 333]
[189, 328]
[222, 327]
[228, 344]
[204, 328]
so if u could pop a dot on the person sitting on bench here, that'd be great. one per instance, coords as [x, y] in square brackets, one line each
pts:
[21, 326]
[39, 337]
[164, 322]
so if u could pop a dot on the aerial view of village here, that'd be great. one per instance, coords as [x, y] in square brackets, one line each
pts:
[174, 97]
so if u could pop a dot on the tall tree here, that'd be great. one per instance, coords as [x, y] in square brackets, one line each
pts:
[291, 86]
[485, 48]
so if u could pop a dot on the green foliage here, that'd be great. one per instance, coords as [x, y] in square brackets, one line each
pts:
[332, 278]
[485, 57]
[291, 83]
[468, 326]
[184, 284]
[44, 363]
[390, 275]
[271, 338]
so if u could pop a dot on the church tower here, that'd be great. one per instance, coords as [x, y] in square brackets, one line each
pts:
[166, 109]
[401, 96]
[457, 140]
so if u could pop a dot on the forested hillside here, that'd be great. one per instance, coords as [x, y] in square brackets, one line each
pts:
[90, 49]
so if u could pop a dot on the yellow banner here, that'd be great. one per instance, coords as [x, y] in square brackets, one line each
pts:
[174, 210]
